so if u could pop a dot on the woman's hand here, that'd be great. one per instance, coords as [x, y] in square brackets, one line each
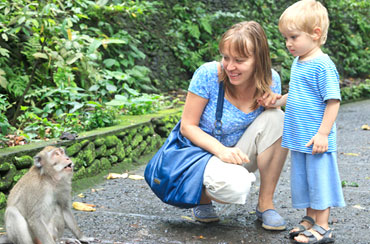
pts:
[233, 155]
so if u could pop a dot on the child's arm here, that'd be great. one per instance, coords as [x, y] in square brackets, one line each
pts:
[320, 140]
[272, 100]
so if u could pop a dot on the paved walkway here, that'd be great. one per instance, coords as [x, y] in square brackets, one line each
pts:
[128, 212]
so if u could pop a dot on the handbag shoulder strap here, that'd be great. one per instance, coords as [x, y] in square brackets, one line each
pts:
[220, 106]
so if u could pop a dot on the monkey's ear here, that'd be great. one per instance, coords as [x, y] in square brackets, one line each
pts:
[37, 161]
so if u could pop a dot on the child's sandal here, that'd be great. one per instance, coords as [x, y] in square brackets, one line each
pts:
[327, 236]
[301, 227]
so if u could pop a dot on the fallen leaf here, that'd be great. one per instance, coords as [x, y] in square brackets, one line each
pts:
[84, 206]
[95, 190]
[187, 218]
[351, 154]
[358, 207]
[351, 184]
[81, 195]
[136, 177]
[365, 127]
[117, 176]
[199, 237]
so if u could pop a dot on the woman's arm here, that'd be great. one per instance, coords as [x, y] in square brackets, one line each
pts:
[193, 109]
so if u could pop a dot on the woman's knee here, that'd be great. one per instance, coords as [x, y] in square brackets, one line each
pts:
[231, 188]
[272, 116]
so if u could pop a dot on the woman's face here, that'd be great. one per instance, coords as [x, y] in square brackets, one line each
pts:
[238, 68]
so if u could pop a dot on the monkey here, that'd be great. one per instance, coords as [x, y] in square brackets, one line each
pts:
[38, 206]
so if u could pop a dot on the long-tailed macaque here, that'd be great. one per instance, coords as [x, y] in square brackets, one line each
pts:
[38, 207]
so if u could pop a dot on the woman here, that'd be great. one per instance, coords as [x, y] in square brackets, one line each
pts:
[251, 135]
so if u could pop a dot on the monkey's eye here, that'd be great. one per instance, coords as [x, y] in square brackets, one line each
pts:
[55, 163]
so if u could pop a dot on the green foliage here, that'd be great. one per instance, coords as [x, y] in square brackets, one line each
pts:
[135, 103]
[356, 92]
[348, 38]
[5, 127]
[195, 32]
[85, 62]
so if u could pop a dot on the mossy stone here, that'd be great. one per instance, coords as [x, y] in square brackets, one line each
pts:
[89, 153]
[122, 134]
[111, 141]
[7, 179]
[4, 167]
[81, 173]
[101, 151]
[120, 151]
[2, 200]
[19, 175]
[110, 151]
[105, 163]
[113, 159]
[133, 132]
[85, 142]
[136, 141]
[23, 162]
[147, 131]
[99, 141]
[73, 149]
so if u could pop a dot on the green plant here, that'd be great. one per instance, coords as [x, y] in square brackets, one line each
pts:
[356, 92]
[36, 127]
[99, 116]
[5, 127]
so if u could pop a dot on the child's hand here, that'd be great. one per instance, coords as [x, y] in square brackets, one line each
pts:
[319, 142]
[268, 100]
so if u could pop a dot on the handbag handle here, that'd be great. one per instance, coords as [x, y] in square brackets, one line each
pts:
[220, 105]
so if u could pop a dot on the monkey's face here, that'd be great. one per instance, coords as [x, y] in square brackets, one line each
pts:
[53, 161]
[60, 161]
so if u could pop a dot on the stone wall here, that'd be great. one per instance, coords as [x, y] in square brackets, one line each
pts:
[91, 153]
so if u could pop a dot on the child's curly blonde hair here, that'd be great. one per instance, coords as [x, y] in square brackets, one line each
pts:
[306, 15]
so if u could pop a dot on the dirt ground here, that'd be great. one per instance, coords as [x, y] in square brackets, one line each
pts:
[128, 212]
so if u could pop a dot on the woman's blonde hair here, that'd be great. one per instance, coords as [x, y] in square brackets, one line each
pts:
[248, 38]
[306, 15]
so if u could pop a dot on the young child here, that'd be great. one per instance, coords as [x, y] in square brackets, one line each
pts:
[312, 106]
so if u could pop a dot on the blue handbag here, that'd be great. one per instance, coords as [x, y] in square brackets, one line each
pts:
[175, 173]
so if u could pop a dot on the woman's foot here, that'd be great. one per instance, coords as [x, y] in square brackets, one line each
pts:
[271, 220]
[205, 213]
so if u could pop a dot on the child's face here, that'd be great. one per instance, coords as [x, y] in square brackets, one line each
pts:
[300, 44]
[238, 68]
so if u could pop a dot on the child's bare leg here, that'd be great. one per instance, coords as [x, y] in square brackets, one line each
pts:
[322, 218]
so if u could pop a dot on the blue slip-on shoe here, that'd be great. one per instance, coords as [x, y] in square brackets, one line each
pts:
[205, 213]
[271, 220]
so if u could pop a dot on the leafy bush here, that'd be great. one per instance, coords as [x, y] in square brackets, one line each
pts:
[356, 92]
[76, 65]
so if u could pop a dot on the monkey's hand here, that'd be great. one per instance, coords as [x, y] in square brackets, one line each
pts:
[85, 239]
[82, 240]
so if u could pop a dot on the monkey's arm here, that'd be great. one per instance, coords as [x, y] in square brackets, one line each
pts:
[71, 223]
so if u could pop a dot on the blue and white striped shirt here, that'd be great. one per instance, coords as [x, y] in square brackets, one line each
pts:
[312, 82]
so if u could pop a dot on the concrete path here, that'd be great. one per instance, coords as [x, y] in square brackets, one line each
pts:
[128, 212]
